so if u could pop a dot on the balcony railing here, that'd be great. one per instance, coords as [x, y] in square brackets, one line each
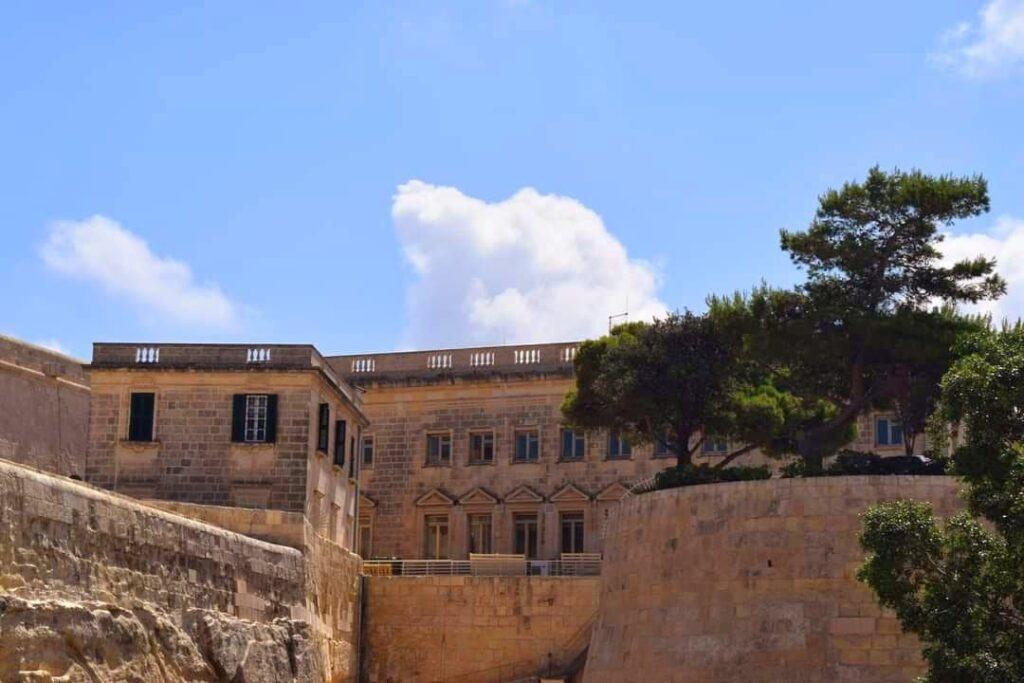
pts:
[569, 564]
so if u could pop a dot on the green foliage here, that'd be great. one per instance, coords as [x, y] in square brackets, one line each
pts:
[671, 381]
[693, 475]
[858, 332]
[960, 587]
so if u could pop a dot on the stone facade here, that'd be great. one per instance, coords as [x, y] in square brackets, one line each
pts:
[753, 582]
[475, 629]
[106, 588]
[194, 451]
[496, 391]
[44, 408]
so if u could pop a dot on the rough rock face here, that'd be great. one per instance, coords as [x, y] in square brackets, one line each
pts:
[91, 642]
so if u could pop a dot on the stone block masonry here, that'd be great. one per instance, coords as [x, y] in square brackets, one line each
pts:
[474, 629]
[44, 408]
[75, 552]
[752, 582]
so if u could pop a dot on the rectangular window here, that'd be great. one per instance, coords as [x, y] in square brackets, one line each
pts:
[527, 445]
[140, 417]
[574, 444]
[714, 445]
[619, 447]
[367, 451]
[572, 532]
[480, 534]
[661, 450]
[439, 449]
[365, 537]
[254, 418]
[323, 433]
[340, 427]
[352, 460]
[526, 535]
[435, 540]
[481, 448]
[888, 432]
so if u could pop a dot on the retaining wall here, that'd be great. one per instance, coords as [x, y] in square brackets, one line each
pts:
[60, 539]
[474, 629]
[753, 582]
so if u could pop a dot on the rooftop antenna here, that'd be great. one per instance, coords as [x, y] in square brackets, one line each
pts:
[614, 317]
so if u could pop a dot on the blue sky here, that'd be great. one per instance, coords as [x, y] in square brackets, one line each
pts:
[353, 174]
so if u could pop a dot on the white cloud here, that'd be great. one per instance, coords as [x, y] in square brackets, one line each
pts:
[530, 268]
[1005, 243]
[100, 250]
[991, 45]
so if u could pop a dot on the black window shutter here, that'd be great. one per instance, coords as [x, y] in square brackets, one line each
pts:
[238, 418]
[352, 458]
[323, 427]
[271, 418]
[340, 427]
[140, 418]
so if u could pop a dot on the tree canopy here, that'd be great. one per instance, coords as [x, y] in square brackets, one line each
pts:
[866, 326]
[675, 382]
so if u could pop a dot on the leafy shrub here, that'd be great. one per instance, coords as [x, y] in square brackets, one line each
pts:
[692, 475]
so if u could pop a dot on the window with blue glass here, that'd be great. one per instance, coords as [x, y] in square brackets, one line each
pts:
[574, 444]
[619, 447]
[714, 445]
[888, 432]
[527, 445]
[661, 449]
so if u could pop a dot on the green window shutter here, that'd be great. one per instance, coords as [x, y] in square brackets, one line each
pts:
[238, 418]
[271, 418]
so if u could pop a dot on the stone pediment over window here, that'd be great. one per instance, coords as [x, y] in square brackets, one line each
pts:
[435, 497]
[478, 496]
[570, 493]
[615, 491]
[365, 502]
[524, 494]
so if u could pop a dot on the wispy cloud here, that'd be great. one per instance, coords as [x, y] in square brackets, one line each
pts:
[101, 251]
[530, 268]
[1005, 242]
[991, 45]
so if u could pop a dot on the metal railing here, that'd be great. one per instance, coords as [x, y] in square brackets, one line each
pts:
[581, 565]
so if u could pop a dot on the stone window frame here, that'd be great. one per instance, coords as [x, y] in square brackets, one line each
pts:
[528, 510]
[561, 442]
[363, 439]
[427, 516]
[451, 447]
[616, 435]
[516, 431]
[572, 510]
[889, 419]
[494, 446]
[125, 415]
[365, 521]
[478, 512]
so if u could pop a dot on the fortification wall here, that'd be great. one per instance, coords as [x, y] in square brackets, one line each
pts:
[474, 629]
[44, 408]
[213, 592]
[753, 582]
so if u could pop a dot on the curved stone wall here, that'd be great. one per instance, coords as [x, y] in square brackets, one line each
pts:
[753, 582]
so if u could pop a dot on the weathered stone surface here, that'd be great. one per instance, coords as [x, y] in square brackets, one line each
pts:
[60, 640]
[475, 629]
[73, 544]
[752, 582]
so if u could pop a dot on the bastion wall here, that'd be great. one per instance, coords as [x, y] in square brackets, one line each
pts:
[74, 555]
[753, 582]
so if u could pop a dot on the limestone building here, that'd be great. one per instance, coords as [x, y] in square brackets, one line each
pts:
[251, 427]
[44, 407]
[467, 452]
